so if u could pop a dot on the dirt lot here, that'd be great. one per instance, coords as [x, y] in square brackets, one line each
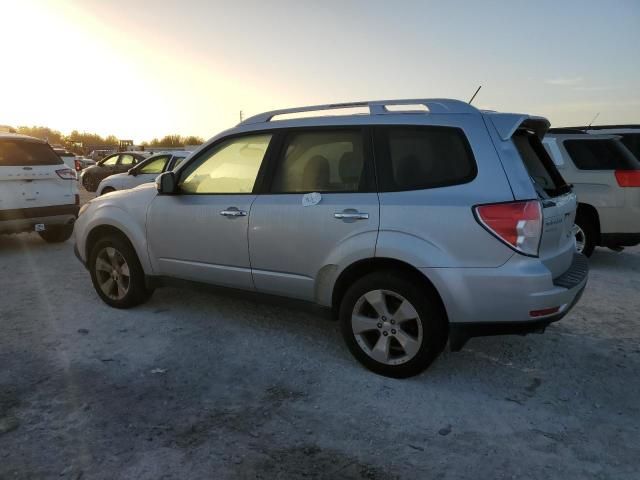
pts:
[196, 385]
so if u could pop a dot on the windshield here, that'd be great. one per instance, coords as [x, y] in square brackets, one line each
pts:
[543, 172]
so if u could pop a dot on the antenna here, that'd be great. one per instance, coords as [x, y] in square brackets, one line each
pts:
[241, 116]
[594, 119]
[474, 95]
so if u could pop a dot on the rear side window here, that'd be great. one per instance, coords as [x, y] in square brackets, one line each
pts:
[600, 155]
[632, 142]
[415, 157]
[19, 154]
[542, 171]
[321, 161]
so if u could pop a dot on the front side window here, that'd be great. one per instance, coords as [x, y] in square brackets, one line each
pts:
[177, 161]
[110, 161]
[420, 157]
[230, 167]
[155, 165]
[21, 153]
[600, 155]
[321, 161]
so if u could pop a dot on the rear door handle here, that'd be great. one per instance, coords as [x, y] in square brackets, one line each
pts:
[233, 212]
[351, 215]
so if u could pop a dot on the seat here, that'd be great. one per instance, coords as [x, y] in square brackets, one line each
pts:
[316, 173]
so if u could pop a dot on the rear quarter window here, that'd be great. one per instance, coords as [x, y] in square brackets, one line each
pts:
[16, 153]
[632, 142]
[606, 154]
[421, 157]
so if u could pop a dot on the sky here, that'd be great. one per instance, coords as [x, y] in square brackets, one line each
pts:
[140, 69]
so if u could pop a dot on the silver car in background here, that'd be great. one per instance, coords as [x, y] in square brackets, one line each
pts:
[416, 221]
[144, 172]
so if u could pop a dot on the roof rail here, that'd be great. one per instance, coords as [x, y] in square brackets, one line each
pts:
[376, 107]
[598, 127]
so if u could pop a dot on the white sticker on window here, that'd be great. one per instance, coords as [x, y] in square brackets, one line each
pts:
[310, 199]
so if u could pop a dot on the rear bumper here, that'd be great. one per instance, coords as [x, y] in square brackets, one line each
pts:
[25, 219]
[619, 239]
[494, 301]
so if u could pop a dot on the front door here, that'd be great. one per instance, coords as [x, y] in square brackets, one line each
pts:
[320, 210]
[200, 233]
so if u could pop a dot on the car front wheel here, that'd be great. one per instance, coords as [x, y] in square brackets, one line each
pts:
[116, 273]
[392, 325]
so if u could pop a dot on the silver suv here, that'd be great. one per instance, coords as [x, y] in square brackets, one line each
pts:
[415, 221]
[606, 178]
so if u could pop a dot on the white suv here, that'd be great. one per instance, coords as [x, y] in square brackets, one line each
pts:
[37, 190]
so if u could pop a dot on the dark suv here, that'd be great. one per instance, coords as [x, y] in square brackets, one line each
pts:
[116, 163]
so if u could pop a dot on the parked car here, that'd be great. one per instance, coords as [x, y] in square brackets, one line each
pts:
[83, 162]
[606, 178]
[69, 158]
[116, 163]
[461, 227]
[629, 134]
[145, 171]
[37, 191]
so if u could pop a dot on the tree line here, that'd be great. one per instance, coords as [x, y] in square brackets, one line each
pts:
[77, 141]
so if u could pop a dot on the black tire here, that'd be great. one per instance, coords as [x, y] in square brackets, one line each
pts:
[57, 233]
[590, 232]
[107, 190]
[427, 305]
[137, 292]
[89, 184]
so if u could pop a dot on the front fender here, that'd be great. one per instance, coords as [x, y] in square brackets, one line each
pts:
[116, 217]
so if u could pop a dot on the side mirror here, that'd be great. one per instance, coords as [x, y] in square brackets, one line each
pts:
[132, 171]
[166, 183]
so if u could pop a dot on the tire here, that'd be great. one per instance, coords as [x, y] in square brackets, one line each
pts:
[89, 184]
[57, 233]
[586, 234]
[112, 257]
[107, 190]
[423, 330]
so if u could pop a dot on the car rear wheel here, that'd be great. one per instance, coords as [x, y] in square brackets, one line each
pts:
[57, 233]
[585, 235]
[116, 273]
[392, 325]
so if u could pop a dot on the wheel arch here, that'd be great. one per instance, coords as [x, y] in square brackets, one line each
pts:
[366, 266]
[100, 231]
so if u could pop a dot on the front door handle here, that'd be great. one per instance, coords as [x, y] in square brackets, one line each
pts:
[233, 212]
[346, 215]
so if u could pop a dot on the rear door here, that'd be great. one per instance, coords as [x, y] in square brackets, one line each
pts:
[318, 208]
[559, 204]
[32, 175]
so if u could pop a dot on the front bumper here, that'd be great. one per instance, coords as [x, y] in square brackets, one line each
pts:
[495, 301]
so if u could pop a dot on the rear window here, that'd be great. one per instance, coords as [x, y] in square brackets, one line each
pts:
[632, 142]
[417, 157]
[20, 154]
[600, 155]
[543, 173]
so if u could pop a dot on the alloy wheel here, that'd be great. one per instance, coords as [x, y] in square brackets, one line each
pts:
[580, 237]
[387, 327]
[112, 273]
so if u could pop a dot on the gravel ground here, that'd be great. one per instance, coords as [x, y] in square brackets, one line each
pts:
[197, 385]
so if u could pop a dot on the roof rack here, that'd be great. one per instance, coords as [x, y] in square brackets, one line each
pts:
[567, 130]
[376, 107]
[596, 127]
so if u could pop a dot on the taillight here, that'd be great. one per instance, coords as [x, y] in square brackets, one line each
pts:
[78, 165]
[66, 174]
[518, 224]
[628, 178]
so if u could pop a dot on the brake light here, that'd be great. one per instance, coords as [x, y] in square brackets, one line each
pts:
[518, 224]
[628, 178]
[66, 174]
[77, 165]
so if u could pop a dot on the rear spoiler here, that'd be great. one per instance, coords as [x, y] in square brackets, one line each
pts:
[507, 123]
